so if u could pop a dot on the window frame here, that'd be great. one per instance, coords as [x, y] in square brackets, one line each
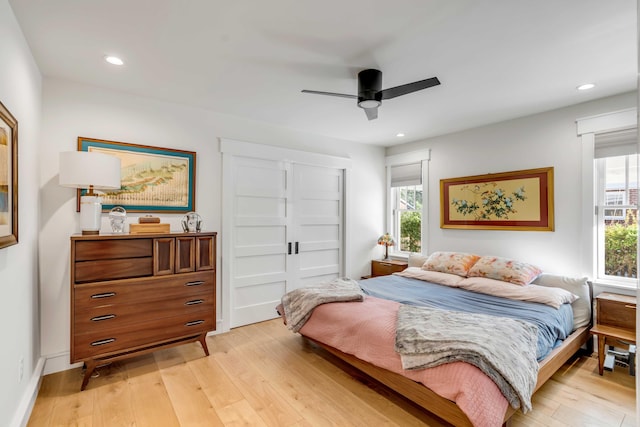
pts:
[423, 156]
[587, 129]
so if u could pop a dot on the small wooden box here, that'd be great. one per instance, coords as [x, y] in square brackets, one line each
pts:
[149, 228]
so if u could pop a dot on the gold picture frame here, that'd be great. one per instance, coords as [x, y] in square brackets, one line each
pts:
[154, 179]
[519, 200]
[8, 178]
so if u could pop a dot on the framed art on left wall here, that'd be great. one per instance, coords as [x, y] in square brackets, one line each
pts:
[8, 178]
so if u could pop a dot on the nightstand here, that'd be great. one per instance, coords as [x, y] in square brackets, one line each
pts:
[384, 267]
[615, 323]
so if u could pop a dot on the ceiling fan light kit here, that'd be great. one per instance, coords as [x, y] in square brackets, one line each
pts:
[371, 94]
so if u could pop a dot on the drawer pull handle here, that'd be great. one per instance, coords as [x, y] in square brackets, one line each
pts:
[103, 342]
[105, 317]
[104, 295]
[194, 323]
[195, 283]
[194, 302]
[385, 264]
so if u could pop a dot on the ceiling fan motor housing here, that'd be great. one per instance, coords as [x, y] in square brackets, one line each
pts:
[369, 87]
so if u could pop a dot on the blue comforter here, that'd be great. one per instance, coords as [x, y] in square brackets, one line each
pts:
[554, 325]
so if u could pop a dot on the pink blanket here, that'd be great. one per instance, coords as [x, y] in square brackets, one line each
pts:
[367, 330]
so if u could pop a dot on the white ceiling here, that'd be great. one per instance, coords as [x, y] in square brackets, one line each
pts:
[496, 59]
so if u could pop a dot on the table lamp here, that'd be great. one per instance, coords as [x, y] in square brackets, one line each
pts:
[386, 240]
[91, 171]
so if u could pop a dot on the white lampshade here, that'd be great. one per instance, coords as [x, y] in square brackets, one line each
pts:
[91, 171]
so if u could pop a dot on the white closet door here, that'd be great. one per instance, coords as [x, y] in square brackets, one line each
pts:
[269, 205]
[259, 268]
[317, 224]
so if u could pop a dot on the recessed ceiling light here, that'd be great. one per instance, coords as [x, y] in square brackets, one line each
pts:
[114, 60]
[400, 134]
[586, 86]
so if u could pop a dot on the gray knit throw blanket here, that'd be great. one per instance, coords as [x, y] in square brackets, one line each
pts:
[504, 349]
[299, 303]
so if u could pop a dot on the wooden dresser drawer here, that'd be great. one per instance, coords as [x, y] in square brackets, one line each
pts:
[145, 289]
[113, 249]
[111, 269]
[616, 310]
[99, 319]
[384, 267]
[130, 337]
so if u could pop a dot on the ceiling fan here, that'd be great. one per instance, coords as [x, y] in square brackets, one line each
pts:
[371, 94]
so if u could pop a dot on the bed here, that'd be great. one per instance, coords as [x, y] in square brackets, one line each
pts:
[363, 334]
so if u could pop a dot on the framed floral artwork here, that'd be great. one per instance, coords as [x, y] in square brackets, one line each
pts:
[519, 200]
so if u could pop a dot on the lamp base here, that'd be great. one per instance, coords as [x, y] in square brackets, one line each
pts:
[90, 211]
[90, 232]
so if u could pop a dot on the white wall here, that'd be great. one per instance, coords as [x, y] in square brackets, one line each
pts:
[547, 139]
[71, 110]
[20, 92]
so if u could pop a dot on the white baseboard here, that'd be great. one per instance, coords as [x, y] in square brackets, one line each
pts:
[23, 411]
[58, 363]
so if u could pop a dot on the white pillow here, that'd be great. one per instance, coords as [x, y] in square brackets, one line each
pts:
[575, 285]
[553, 297]
[416, 260]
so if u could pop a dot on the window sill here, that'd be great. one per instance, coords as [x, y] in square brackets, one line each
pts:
[630, 285]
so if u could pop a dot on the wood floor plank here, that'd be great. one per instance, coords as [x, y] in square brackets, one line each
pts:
[270, 405]
[151, 402]
[114, 407]
[190, 403]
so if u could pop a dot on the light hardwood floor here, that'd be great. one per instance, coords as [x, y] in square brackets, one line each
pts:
[264, 375]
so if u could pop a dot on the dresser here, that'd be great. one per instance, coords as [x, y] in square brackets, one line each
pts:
[615, 323]
[136, 293]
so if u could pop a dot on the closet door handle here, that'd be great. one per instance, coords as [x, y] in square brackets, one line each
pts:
[289, 248]
[296, 248]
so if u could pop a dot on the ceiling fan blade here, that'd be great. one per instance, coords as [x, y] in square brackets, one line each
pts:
[409, 87]
[372, 113]
[342, 95]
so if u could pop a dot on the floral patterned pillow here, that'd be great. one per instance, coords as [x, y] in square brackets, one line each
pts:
[504, 269]
[450, 262]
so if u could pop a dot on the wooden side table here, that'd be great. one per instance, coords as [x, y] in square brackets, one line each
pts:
[615, 323]
[384, 267]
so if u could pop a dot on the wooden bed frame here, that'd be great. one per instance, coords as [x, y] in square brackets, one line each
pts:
[447, 409]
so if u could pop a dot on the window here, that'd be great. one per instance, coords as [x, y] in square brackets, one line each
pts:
[407, 218]
[617, 217]
[406, 207]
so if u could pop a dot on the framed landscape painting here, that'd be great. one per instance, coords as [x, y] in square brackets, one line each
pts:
[8, 178]
[153, 179]
[519, 200]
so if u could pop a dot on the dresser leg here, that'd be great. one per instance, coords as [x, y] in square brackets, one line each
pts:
[90, 366]
[203, 341]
